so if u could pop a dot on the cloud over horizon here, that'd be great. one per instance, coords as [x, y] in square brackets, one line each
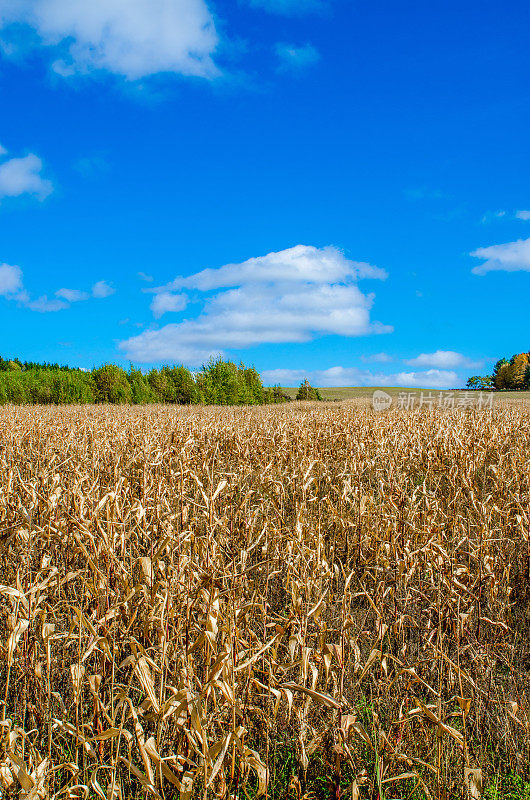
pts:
[444, 359]
[351, 376]
[294, 295]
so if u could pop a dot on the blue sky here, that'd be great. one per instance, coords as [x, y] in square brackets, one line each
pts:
[331, 188]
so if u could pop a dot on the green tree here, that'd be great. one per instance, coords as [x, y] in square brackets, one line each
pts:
[111, 384]
[161, 387]
[486, 382]
[185, 391]
[499, 373]
[473, 382]
[255, 390]
[222, 383]
[140, 389]
[219, 382]
[278, 395]
[307, 392]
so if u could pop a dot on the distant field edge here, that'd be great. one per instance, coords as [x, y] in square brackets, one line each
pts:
[359, 392]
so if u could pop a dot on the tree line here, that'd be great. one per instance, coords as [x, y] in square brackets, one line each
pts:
[508, 374]
[216, 383]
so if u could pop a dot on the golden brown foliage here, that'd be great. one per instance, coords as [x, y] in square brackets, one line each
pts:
[185, 592]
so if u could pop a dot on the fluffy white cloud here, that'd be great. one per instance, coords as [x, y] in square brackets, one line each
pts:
[351, 376]
[166, 302]
[294, 59]
[290, 296]
[300, 264]
[289, 7]
[102, 289]
[131, 38]
[445, 359]
[509, 257]
[72, 295]
[20, 176]
[10, 280]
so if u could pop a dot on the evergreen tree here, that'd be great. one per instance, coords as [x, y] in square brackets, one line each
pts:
[161, 386]
[307, 392]
[140, 389]
[279, 396]
[185, 391]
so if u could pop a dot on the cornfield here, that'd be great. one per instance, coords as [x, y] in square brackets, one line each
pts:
[310, 600]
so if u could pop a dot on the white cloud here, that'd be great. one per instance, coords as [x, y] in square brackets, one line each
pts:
[492, 216]
[10, 280]
[166, 302]
[20, 176]
[44, 304]
[130, 38]
[102, 289]
[351, 376]
[3, 151]
[290, 296]
[431, 379]
[381, 358]
[299, 264]
[445, 359]
[295, 59]
[509, 257]
[289, 7]
[144, 277]
[72, 295]
[12, 288]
